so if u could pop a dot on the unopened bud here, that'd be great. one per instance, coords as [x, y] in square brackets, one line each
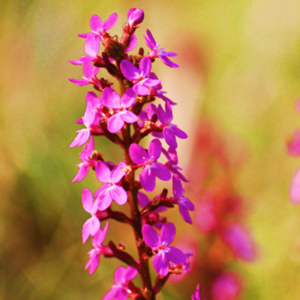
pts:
[135, 17]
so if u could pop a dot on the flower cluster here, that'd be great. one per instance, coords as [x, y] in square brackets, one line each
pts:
[293, 147]
[125, 117]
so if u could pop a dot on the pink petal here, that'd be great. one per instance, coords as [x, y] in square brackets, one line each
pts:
[141, 89]
[82, 137]
[96, 23]
[160, 264]
[154, 149]
[176, 256]
[145, 66]
[128, 98]
[87, 200]
[111, 98]
[138, 154]
[132, 43]
[83, 171]
[118, 194]
[150, 236]
[129, 70]
[147, 179]
[110, 22]
[115, 123]
[168, 233]
[129, 117]
[102, 172]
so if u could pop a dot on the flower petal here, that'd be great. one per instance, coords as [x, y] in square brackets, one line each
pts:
[176, 256]
[102, 172]
[95, 23]
[87, 200]
[132, 43]
[118, 194]
[154, 149]
[168, 233]
[110, 22]
[138, 154]
[161, 171]
[129, 70]
[129, 117]
[160, 264]
[128, 98]
[147, 178]
[115, 123]
[145, 66]
[150, 236]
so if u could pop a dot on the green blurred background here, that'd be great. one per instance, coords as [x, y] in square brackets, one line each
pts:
[239, 66]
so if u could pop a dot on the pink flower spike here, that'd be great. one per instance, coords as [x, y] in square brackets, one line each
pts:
[92, 225]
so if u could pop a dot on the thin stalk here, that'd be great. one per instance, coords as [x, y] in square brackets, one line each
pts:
[144, 271]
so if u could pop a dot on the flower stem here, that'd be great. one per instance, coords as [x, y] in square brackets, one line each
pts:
[137, 221]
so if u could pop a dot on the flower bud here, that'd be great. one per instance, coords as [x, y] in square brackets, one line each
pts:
[135, 17]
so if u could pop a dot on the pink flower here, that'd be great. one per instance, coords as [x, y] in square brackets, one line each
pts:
[110, 191]
[148, 160]
[84, 134]
[139, 76]
[99, 249]
[112, 100]
[156, 52]
[86, 161]
[120, 290]
[89, 75]
[92, 45]
[170, 131]
[185, 205]
[160, 245]
[98, 27]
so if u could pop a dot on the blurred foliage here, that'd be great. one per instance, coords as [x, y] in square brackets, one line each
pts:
[239, 64]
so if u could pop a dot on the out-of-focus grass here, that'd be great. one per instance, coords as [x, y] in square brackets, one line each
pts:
[239, 64]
